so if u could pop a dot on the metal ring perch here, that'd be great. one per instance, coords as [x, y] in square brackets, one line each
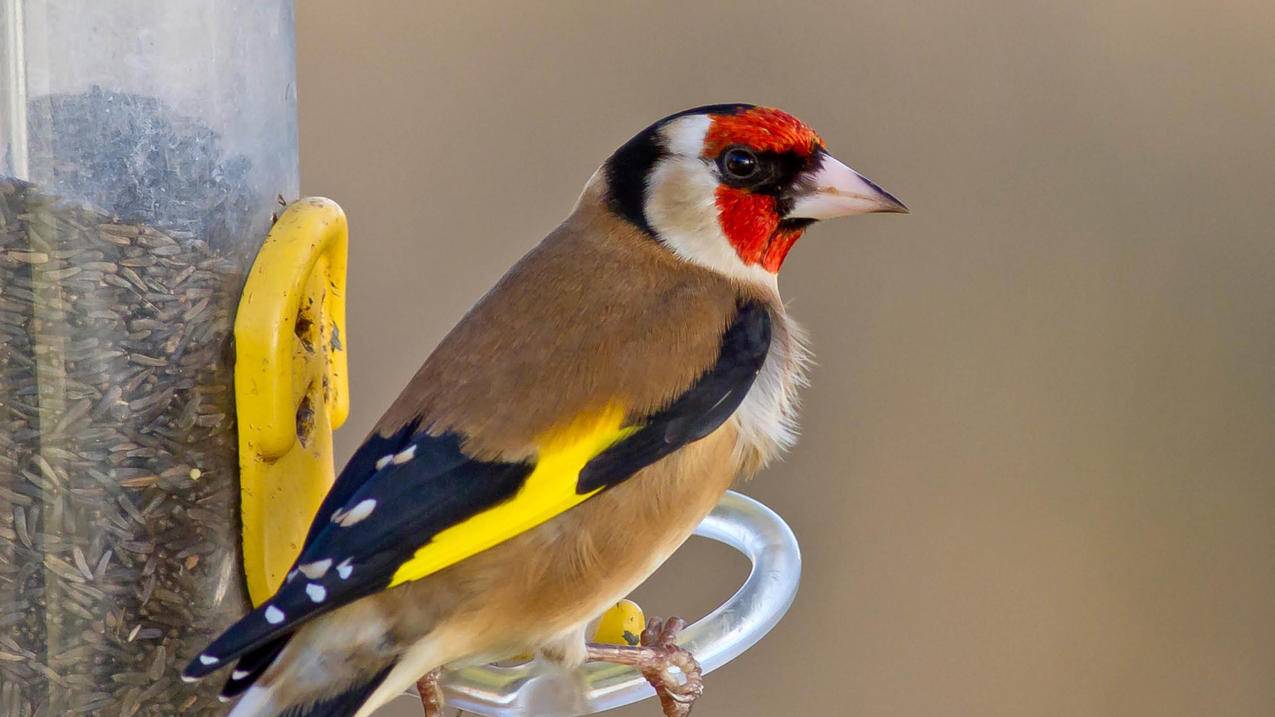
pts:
[738, 521]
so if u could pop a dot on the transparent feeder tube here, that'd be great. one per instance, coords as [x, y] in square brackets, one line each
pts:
[142, 147]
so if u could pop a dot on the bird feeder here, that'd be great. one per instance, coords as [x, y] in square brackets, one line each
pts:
[142, 148]
[172, 365]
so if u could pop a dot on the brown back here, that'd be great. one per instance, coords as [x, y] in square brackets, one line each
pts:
[598, 313]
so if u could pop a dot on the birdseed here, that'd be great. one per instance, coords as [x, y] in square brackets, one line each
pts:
[119, 544]
[116, 565]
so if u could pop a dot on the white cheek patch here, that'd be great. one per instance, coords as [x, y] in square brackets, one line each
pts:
[681, 207]
[681, 203]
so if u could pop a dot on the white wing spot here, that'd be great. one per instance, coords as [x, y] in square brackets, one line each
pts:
[383, 461]
[317, 569]
[208, 660]
[274, 615]
[357, 513]
[316, 592]
[238, 674]
[291, 575]
[344, 569]
[405, 455]
[188, 679]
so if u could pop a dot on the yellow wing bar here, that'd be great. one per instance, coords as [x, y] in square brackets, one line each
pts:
[549, 490]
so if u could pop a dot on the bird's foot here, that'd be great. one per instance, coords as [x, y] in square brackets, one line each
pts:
[431, 694]
[655, 658]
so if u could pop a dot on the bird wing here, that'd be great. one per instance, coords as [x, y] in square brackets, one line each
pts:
[412, 503]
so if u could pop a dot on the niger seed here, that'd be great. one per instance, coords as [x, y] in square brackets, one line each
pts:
[114, 384]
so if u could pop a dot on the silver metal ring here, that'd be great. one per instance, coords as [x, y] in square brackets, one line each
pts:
[532, 689]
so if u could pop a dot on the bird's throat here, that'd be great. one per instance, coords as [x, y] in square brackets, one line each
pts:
[752, 226]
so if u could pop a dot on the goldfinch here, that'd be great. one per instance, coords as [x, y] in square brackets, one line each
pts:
[601, 397]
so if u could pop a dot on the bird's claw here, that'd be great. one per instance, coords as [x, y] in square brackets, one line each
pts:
[655, 657]
[661, 653]
[431, 694]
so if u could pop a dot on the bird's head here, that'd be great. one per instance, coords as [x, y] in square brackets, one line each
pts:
[732, 187]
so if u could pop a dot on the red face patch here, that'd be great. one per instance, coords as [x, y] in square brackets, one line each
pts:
[764, 129]
[749, 220]
[751, 224]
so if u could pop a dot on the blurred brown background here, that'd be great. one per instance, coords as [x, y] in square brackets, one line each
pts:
[1038, 468]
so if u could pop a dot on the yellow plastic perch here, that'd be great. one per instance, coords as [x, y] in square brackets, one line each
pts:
[290, 384]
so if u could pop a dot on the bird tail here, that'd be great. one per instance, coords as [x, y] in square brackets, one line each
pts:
[262, 702]
[251, 667]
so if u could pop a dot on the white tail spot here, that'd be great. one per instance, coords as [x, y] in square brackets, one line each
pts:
[317, 569]
[356, 514]
[405, 455]
[274, 615]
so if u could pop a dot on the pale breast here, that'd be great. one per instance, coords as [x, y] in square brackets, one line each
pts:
[766, 421]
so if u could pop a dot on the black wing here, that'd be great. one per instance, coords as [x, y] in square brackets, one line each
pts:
[399, 491]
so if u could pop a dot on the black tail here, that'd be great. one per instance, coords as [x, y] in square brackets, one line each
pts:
[344, 704]
[251, 666]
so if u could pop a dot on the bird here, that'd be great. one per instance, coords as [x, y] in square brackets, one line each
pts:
[567, 435]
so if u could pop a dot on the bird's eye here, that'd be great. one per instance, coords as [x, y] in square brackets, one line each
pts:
[740, 163]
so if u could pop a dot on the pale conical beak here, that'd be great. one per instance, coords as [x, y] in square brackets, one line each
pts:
[834, 190]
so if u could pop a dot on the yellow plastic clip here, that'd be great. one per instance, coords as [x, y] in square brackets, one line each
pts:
[290, 384]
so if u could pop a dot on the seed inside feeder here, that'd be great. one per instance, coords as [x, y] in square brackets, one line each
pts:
[118, 478]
